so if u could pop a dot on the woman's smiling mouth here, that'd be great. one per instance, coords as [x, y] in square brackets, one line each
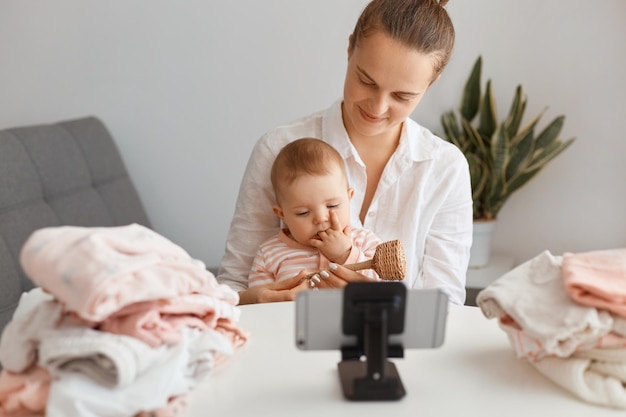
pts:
[369, 118]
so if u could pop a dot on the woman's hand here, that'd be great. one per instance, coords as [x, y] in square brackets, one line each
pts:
[338, 276]
[276, 291]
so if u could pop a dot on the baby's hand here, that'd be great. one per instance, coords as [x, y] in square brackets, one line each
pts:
[335, 242]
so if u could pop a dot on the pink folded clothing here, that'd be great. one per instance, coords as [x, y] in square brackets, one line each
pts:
[597, 279]
[97, 271]
[175, 407]
[157, 322]
[531, 348]
[24, 394]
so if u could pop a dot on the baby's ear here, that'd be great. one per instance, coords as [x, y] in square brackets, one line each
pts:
[349, 45]
[278, 211]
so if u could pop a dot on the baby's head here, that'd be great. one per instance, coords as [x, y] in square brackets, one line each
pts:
[309, 180]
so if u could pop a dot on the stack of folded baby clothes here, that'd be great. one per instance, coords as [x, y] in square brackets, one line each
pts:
[567, 316]
[128, 324]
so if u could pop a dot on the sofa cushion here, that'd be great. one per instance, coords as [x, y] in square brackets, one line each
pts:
[67, 173]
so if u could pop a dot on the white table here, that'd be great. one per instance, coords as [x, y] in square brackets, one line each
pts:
[474, 373]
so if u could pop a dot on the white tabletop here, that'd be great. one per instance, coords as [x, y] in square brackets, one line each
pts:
[474, 373]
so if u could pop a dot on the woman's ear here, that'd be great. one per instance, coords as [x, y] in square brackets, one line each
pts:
[350, 193]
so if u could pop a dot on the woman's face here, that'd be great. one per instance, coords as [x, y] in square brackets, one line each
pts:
[385, 81]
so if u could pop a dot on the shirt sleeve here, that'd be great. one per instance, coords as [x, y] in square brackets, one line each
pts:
[259, 274]
[364, 243]
[447, 246]
[253, 220]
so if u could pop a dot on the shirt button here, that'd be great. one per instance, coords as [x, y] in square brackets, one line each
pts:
[371, 214]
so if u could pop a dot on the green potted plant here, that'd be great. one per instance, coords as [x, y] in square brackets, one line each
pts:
[502, 155]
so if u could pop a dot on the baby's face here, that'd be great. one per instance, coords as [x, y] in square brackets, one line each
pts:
[305, 204]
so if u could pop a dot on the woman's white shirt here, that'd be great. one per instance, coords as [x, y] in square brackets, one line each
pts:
[423, 199]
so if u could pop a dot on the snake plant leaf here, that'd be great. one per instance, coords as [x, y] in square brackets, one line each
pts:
[520, 152]
[500, 152]
[470, 100]
[499, 161]
[524, 144]
[474, 138]
[478, 174]
[522, 179]
[488, 118]
[452, 130]
[549, 153]
[516, 113]
[550, 133]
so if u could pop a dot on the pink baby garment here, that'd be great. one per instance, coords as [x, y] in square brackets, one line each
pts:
[597, 279]
[157, 322]
[97, 271]
[24, 394]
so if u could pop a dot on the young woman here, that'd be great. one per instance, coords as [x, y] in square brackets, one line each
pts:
[408, 184]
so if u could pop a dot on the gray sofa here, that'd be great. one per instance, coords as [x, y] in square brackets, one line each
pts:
[67, 173]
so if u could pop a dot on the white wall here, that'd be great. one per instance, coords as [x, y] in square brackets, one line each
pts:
[186, 87]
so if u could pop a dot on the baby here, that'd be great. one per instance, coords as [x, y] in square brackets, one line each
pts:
[313, 202]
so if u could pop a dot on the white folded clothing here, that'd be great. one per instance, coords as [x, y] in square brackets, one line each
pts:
[178, 372]
[533, 295]
[597, 376]
[110, 359]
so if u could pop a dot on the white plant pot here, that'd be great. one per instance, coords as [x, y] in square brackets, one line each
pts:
[480, 251]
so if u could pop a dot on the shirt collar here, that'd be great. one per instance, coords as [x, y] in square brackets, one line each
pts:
[423, 144]
[334, 132]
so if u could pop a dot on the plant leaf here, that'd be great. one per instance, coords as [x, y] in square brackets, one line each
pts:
[470, 100]
[514, 119]
[500, 158]
[488, 117]
[550, 133]
[548, 153]
[512, 187]
[522, 179]
[500, 151]
[452, 130]
[479, 175]
[524, 145]
[478, 145]
[519, 153]
[529, 127]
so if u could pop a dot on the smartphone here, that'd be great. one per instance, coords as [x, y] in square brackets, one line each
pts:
[319, 320]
